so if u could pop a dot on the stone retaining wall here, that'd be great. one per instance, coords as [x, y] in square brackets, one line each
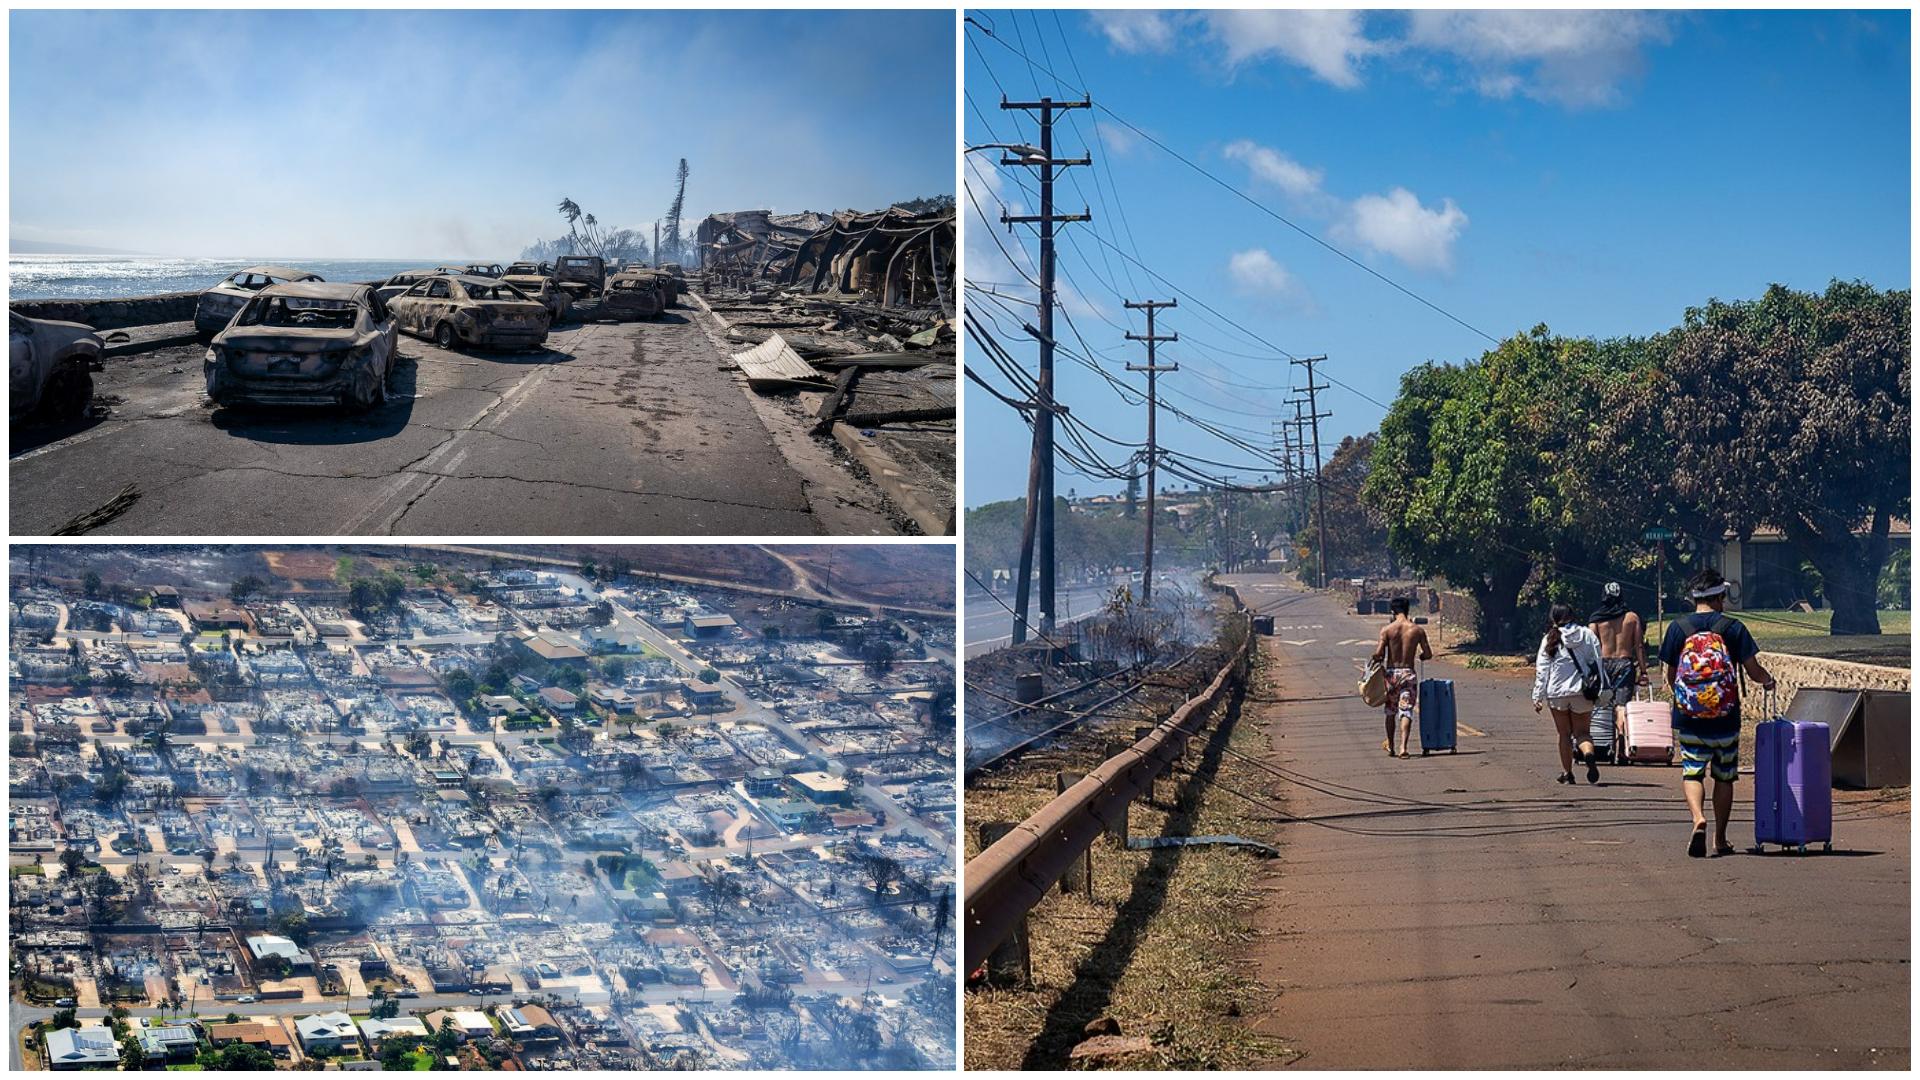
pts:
[116, 314]
[1795, 672]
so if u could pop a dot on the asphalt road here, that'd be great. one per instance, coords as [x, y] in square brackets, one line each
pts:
[1464, 911]
[989, 625]
[613, 429]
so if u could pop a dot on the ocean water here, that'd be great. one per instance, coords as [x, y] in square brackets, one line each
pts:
[102, 277]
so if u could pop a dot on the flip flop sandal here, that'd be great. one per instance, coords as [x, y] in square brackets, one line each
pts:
[1404, 755]
[1564, 778]
[1697, 847]
[1723, 849]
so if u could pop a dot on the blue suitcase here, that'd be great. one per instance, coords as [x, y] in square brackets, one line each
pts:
[1792, 785]
[1437, 722]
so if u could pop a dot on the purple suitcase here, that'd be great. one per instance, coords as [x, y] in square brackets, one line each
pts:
[1792, 785]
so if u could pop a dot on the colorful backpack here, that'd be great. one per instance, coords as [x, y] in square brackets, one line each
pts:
[1705, 684]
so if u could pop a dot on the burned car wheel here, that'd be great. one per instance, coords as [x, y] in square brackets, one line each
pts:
[69, 393]
[443, 335]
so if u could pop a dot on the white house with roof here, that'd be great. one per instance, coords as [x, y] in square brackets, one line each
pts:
[81, 1048]
[327, 1031]
[378, 1031]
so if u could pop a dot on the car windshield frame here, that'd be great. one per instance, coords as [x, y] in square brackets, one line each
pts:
[284, 313]
[470, 289]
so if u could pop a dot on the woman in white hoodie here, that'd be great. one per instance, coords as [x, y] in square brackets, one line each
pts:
[1569, 656]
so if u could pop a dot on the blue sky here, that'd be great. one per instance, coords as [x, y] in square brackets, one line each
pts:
[450, 135]
[1596, 171]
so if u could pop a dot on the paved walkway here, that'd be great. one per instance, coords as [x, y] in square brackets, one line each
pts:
[1464, 911]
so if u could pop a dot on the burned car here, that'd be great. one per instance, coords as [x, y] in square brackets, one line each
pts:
[219, 304]
[402, 281]
[677, 279]
[526, 269]
[583, 276]
[491, 270]
[51, 367]
[542, 288]
[635, 294]
[310, 343]
[454, 310]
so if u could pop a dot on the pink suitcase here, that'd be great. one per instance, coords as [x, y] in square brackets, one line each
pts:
[1649, 731]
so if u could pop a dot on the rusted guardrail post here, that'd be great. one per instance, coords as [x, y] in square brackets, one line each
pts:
[1079, 876]
[1010, 963]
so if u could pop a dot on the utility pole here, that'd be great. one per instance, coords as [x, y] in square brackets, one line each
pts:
[656, 243]
[1152, 369]
[1042, 536]
[1319, 482]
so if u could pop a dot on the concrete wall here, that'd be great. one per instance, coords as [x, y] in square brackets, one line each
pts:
[1795, 672]
[114, 314]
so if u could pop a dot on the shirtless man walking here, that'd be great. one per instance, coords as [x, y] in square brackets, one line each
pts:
[1622, 665]
[1401, 642]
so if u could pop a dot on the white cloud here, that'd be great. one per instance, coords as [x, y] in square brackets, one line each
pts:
[1136, 31]
[1575, 59]
[1000, 259]
[1118, 140]
[1276, 168]
[1257, 273]
[1397, 224]
[1578, 59]
[1330, 44]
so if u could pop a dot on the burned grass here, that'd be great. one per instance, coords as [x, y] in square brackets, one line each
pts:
[1155, 955]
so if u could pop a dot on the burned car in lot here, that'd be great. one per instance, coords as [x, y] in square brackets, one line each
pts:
[677, 278]
[635, 294]
[523, 269]
[491, 270]
[454, 310]
[218, 305]
[51, 366]
[310, 343]
[542, 288]
[402, 281]
[583, 276]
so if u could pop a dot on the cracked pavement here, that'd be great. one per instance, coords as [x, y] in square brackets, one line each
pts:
[1550, 927]
[614, 429]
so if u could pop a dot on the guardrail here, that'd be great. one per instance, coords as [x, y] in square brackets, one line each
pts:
[1013, 874]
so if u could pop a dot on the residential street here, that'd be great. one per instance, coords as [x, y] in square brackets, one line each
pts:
[1464, 911]
[630, 428]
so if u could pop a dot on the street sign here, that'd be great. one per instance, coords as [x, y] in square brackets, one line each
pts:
[1658, 532]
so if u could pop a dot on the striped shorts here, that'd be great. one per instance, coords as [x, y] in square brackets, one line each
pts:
[1698, 753]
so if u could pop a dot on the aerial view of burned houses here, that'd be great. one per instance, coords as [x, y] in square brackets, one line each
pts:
[316, 807]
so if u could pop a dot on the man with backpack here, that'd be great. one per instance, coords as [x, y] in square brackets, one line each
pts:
[1704, 653]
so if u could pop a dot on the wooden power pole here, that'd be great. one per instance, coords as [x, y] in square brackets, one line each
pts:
[1152, 369]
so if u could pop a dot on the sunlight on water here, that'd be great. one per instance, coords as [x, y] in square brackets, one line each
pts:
[96, 277]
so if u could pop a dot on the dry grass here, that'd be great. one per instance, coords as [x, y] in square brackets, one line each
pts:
[1158, 947]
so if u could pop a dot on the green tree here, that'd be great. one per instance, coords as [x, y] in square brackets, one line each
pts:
[1476, 468]
[90, 584]
[1795, 410]
[709, 676]
[459, 684]
[1356, 532]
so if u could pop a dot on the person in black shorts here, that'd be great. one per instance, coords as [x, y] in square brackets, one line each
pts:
[1704, 653]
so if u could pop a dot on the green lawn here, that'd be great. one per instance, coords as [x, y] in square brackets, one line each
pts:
[27, 870]
[188, 1066]
[421, 1060]
[1807, 633]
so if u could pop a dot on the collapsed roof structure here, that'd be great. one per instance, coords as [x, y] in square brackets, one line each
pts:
[892, 257]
